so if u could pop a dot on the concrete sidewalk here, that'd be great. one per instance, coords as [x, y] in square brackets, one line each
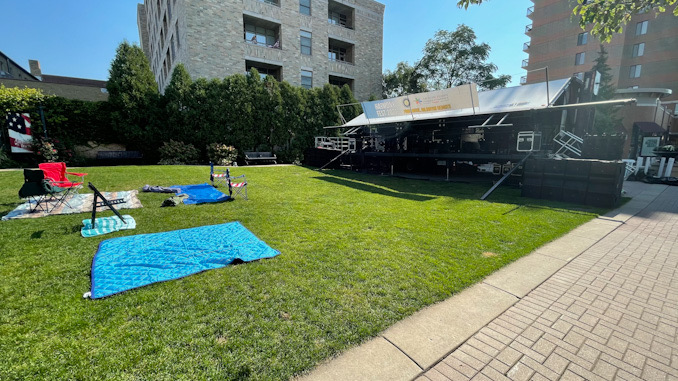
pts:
[600, 303]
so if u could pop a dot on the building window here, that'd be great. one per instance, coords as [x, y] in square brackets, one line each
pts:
[639, 49]
[634, 72]
[579, 76]
[305, 7]
[305, 42]
[337, 54]
[272, 2]
[306, 79]
[641, 28]
[582, 38]
[580, 58]
[261, 35]
[633, 87]
[176, 33]
[338, 19]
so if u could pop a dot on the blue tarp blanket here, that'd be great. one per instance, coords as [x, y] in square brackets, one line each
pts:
[125, 263]
[200, 193]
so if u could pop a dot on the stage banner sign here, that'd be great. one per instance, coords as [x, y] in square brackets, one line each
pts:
[448, 100]
[19, 127]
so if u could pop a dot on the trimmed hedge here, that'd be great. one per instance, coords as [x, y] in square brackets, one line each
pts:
[247, 112]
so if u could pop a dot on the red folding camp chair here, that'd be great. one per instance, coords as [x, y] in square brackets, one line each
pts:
[237, 187]
[57, 174]
[218, 176]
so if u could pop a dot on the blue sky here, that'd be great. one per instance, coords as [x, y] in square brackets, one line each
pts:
[78, 38]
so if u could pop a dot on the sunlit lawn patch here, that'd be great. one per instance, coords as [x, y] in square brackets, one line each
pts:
[359, 252]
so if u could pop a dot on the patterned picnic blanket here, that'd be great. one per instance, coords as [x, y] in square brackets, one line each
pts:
[105, 225]
[125, 263]
[79, 203]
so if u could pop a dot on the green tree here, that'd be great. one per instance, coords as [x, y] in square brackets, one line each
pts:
[403, 80]
[346, 98]
[238, 113]
[14, 99]
[607, 17]
[606, 120]
[291, 123]
[174, 102]
[453, 59]
[133, 97]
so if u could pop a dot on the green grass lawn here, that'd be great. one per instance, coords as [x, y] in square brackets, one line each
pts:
[358, 253]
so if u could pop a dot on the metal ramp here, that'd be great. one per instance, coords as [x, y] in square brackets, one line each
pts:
[506, 176]
[335, 158]
[570, 144]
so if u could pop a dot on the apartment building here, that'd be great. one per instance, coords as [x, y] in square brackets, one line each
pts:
[307, 43]
[643, 60]
[645, 55]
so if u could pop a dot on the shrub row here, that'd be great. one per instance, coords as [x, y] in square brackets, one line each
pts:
[247, 112]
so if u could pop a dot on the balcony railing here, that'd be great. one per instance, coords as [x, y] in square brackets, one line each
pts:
[523, 80]
[340, 61]
[525, 63]
[526, 46]
[530, 11]
[276, 45]
[528, 28]
[271, 2]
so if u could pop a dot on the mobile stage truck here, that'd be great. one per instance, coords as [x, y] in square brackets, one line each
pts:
[462, 131]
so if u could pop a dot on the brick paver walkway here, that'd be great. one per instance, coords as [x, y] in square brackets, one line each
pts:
[611, 313]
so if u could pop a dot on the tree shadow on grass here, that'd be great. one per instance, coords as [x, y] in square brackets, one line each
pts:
[424, 190]
[373, 189]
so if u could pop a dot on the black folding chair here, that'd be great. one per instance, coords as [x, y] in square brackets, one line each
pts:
[39, 190]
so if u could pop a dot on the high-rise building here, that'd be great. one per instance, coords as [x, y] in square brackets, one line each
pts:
[643, 60]
[307, 43]
[645, 55]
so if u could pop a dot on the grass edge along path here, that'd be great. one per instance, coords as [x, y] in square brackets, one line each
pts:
[358, 253]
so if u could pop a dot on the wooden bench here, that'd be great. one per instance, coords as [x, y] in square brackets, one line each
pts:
[119, 157]
[256, 157]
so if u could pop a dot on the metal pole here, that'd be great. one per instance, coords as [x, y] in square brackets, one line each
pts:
[548, 97]
[42, 118]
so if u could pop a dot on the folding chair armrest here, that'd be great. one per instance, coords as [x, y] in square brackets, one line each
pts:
[81, 175]
[61, 183]
[237, 177]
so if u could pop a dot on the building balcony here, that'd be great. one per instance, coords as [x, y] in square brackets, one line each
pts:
[530, 11]
[341, 81]
[523, 80]
[341, 33]
[341, 52]
[262, 33]
[340, 14]
[528, 29]
[526, 46]
[341, 69]
[263, 52]
[264, 69]
[525, 63]
[271, 2]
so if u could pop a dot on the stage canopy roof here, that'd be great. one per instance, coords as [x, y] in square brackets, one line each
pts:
[459, 101]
